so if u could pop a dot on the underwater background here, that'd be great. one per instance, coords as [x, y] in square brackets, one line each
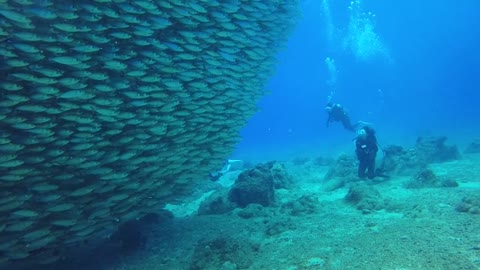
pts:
[408, 67]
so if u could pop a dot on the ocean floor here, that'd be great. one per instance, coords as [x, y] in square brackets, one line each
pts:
[418, 229]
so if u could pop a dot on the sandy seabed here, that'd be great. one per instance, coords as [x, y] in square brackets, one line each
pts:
[423, 230]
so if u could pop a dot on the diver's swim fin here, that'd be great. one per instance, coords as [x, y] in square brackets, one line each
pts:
[379, 173]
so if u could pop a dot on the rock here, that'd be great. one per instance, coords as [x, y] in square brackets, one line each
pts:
[254, 186]
[449, 183]
[433, 149]
[469, 205]
[334, 184]
[473, 147]
[281, 177]
[344, 167]
[306, 204]
[365, 198]
[400, 161]
[426, 178]
[278, 226]
[216, 204]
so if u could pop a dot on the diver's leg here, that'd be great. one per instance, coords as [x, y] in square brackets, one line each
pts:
[362, 166]
[371, 168]
[347, 124]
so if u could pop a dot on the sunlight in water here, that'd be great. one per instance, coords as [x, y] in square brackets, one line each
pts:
[328, 21]
[361, 38]
[332, 76]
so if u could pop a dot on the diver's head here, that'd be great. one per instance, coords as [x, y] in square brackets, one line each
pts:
[361, 133]
[369, 130]
[329, 106]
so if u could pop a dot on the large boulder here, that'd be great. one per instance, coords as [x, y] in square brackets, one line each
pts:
[401, 161]
[254, 186]
[281, 178]
[365, 198]
[344, 167]
[434, 149]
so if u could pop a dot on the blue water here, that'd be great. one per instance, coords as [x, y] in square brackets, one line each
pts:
[424, 80]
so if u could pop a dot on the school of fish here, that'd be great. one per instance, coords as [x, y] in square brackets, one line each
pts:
[111, 108]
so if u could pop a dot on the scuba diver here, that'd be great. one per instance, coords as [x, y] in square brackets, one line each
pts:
[337, 113]
[366, 148]
[228, 166]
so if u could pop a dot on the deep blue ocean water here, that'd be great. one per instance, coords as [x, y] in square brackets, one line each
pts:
[411, 68]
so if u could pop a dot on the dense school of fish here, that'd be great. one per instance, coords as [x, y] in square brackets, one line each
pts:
[109, 108]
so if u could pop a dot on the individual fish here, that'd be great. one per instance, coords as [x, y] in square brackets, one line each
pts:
[66, 60]
[77, 94]
[14, 16]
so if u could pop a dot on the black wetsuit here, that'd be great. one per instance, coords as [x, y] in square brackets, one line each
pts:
[366, 150]
[337, 113]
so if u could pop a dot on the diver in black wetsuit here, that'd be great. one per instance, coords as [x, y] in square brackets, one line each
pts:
[337, 113]
[366, 148]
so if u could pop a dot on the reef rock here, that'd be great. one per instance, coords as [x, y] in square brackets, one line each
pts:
[281, 177]
[470, 205]
[473, 147]
[305, 205]
[365, 198]
[344, 167]
[400, 161]
[254, 186]
[433, 149]
[426, 178]
[216, 204]
[340, 172]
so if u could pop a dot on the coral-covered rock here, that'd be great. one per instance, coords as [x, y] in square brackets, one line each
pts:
[365, 198]
[344, 167]
[278, 226]
[254, 186]
[306, 204]
[473, 147]
[281, 177]
[433, 149]
[426, 178]
[216, 204]
[449, 183]
[401, 161]
[470, 205]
